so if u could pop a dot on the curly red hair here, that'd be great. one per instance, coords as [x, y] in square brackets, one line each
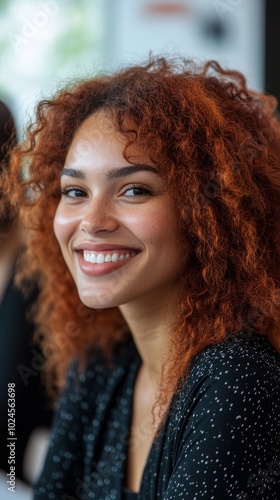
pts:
[218, 145]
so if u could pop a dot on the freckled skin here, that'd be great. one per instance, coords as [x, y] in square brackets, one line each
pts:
[109, 212]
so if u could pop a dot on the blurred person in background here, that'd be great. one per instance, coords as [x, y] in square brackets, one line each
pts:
[20, 360]
[155, 230]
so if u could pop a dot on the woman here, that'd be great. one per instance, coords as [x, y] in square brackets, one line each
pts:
[153, 203]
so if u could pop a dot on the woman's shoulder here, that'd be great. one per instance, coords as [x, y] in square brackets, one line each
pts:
[238, 377]
[240, 364]
[225, 420]
[243, 351]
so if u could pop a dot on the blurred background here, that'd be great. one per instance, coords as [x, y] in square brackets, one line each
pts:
[44, 43]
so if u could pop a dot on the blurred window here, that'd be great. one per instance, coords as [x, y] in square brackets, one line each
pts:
[44, 42]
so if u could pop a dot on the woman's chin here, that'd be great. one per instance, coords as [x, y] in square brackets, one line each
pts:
[97, 301]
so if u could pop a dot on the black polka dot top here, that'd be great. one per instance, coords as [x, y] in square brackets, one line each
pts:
[220, 441]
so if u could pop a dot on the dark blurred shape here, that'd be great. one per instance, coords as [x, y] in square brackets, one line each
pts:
[215, 29]
[7, 129]
[272, 61]
[7, 141]
[20, 362]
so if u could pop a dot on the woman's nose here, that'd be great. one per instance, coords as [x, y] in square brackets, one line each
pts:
[99, 217]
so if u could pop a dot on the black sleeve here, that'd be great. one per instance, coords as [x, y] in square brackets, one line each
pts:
[62, 474]
[230, 443]
[20, 364]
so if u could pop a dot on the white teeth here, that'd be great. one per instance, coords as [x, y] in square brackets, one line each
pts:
[92, 258]
[101, 258]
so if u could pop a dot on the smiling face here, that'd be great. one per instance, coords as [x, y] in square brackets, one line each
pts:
[116, 223]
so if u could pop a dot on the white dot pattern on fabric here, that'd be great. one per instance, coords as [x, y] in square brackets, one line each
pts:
[220, 441]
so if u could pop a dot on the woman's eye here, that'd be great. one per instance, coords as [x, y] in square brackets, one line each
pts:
[72, 192]
[135, 191]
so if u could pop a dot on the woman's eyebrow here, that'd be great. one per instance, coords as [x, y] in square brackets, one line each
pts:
[115, 173]
[73, 172]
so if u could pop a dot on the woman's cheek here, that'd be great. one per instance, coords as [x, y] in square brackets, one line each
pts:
[147, 225]
[64, 224]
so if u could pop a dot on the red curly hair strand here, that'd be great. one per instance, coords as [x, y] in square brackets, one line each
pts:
[218, 145]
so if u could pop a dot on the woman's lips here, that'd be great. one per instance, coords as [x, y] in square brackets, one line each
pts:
[103, 247]
[98, 263]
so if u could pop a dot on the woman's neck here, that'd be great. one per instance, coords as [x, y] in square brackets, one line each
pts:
[151, 321]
